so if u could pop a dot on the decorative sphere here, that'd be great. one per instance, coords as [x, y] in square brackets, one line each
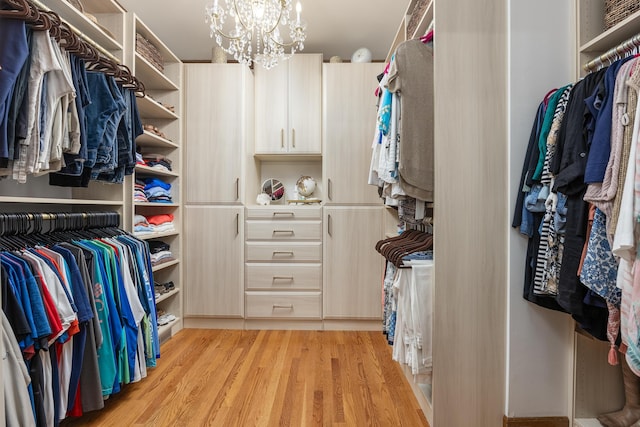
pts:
[361, 55]
[306, 185]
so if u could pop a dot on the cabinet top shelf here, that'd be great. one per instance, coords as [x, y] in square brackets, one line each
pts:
[614, 35]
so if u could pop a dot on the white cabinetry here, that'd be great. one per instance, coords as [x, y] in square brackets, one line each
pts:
[160, 112]
[283, 263]
[352, 267]
[214, 261]
[288, 106]
[348, 126]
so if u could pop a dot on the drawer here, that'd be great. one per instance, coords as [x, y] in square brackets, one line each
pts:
[283, 252]
[285, 213]
[284, 230]
[283, 276]
[283, 305]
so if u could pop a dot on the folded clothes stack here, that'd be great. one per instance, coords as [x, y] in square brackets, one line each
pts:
[153, 224]
[157, 191]
[138, 192]
[160, 252]
[157, 161]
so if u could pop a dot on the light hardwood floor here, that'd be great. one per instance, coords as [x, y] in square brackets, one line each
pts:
[267, 378]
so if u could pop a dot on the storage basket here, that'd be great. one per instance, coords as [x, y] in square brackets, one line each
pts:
[148, 51]
[617, 10]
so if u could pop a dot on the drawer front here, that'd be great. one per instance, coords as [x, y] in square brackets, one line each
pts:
[284, 230]
[285, 252]
[283, 276]
[283, 305]
[285, 213]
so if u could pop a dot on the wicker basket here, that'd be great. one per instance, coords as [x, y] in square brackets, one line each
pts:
[149, 52]
[617, 10]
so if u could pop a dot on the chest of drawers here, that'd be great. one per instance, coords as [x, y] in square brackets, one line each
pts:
[283, 262]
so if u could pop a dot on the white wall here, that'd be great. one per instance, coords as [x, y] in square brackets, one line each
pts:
[539, 341]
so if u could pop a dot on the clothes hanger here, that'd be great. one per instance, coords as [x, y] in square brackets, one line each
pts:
[20, 9]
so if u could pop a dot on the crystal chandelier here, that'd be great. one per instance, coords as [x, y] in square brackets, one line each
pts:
[249, 30]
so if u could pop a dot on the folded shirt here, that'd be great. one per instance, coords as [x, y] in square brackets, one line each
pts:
[156, 246]
[155, 182]
[160, 219]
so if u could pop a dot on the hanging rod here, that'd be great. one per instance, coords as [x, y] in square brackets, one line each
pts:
[28, 222]
[614, 53]
[82, 35]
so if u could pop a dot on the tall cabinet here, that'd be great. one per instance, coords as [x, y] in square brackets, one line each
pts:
[353, 212]
[219, 105]
[161, 114]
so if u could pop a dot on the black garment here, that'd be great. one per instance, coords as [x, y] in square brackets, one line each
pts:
[156, 246]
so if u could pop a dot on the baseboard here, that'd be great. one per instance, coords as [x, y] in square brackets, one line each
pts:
[535, 422]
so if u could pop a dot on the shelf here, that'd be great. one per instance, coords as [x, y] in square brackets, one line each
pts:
[151, 109]
[166, 53]
[614, 35]
[45, 200]
[149, 236]
[287, 157]
[146, 170]
[586, 422]
[166, 296]
[152, 78]
[157, 205]
[165, 265]
[85, 25]
[167, 328]
[150, 139]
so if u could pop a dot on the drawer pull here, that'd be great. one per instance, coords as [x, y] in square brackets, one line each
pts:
[283, 231]
[283, 306]
[283, 213]
[289, 278]
[276, 253]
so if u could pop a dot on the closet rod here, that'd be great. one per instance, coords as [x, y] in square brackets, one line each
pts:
[82, 35]
[28, 223]
[614, 53]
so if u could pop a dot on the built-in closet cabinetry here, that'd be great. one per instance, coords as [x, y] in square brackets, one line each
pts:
[283, 263]
[288, 106]
[218, 106]
[352, 269]
[598, 385]
[161, 109]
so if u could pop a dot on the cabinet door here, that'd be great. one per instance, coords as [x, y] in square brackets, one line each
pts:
[352, 268]
[271, 109]
[214, 261]
[215, 103]
[305, 104]
[349, 121]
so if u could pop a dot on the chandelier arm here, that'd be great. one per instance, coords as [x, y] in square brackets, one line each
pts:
[275, 25]
[283, 44]
[226, 36]
[235, 6]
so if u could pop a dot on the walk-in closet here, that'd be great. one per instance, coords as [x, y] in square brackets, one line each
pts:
[335, 226]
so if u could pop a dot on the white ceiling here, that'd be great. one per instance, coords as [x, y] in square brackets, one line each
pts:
[335, 27]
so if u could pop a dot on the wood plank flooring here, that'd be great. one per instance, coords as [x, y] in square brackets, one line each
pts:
[266, 378]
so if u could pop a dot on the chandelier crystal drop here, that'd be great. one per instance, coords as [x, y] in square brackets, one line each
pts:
[254, 30]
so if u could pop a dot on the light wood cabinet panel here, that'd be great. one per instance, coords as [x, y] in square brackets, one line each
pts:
[288, 106]
[349, 120]
[284, 213]
[215, 103]
[284, 230]
[213, 259]
[352, 273]
[283, 276]
[298, 305]
[284, 251]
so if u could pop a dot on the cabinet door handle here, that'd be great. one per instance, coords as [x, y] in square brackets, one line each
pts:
[276, 253]
[284, 213]
[283, 306]
[281, 138]
[238, 188]
[289, 278]
[237, 224]
[329, 188]
[283, 232]
[329, 224]
[293, 138]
